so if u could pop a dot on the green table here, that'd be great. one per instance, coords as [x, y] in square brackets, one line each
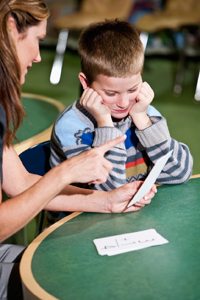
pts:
[63, 263]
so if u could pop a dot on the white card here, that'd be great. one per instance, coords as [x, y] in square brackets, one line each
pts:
[128, 242]
[151, 178]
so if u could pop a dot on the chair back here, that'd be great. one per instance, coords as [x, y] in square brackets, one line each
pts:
[122, 8]
[94, 11]
[182, 6]
[176, 14]
[36, 158]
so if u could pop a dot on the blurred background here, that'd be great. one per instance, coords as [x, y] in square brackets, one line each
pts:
[170, 31]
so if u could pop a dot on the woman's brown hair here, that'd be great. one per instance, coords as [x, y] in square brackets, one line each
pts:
[26, 13]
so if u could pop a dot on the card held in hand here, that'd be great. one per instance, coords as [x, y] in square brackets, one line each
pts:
[151, 178]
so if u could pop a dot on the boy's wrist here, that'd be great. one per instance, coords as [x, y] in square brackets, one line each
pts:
[141, 121]
[105, 121]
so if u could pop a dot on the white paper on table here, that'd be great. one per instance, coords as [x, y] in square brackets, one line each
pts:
[128, 242]
[151, 178]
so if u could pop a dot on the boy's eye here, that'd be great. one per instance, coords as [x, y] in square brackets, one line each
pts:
[110, 94]
[132, 90]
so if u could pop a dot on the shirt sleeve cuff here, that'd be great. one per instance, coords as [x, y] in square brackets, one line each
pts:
[155, 134]
[104, 134]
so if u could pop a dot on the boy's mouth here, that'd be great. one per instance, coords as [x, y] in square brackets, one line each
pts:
[121, 110]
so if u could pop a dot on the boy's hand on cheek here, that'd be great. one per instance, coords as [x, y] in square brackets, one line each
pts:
[93, 102]
[138, 110]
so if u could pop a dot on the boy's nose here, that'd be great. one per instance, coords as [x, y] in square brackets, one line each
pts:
[123, 102]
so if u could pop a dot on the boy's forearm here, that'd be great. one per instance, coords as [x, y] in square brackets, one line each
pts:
[157, 141]
[141, 121]
[154, 135]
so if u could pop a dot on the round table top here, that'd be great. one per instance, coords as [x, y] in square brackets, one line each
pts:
[63, 263]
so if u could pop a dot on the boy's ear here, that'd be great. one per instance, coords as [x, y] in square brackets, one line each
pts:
[83, 80]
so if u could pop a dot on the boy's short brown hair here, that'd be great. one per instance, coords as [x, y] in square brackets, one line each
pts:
[112, 48]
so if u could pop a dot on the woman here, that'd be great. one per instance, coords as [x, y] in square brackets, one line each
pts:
[22, 25]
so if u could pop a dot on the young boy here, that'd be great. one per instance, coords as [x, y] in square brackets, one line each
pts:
[116, 101]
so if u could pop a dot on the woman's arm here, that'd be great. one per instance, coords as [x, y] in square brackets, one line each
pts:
[31, 194]
[16, 179]
[114, 201]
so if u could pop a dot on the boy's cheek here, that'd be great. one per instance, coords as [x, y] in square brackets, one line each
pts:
[107, 102]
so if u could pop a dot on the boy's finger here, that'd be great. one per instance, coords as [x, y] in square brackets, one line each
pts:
[86, 93]
[112, 143]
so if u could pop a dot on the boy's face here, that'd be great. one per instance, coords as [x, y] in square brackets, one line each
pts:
[119, 94]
